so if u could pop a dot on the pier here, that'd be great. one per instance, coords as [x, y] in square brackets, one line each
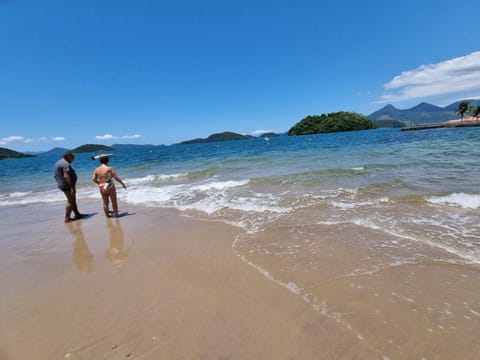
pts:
[424, 126]
[448, 124]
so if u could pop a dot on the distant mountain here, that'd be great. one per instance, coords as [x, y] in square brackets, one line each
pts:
[389, 112]
[224, 136]
[422, 113]
[10, 154]
[426, 107]
[58, 151]
[454, 106]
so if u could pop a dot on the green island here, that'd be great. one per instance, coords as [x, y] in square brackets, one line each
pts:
[91, 148]
[332, 122]
[12, 154]
[268, 135]
[224, 136]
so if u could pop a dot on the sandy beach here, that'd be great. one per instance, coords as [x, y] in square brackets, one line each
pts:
[150, 285]
[156, 284]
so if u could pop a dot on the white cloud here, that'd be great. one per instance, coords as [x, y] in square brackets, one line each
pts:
[113, 137]
[21, 139]
[105, 137]
[136, 136]
[10, 139]
[455, 78]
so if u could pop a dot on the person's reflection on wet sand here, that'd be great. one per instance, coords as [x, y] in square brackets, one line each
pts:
[82, 256]
[116, 253]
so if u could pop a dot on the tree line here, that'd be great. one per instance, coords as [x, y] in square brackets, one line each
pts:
[464, 108]
[333, 122]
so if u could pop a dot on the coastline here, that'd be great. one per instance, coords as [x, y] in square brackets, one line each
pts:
[468, 121]
[172, 289]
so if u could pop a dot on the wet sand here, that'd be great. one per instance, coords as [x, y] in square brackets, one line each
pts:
[150, 285]
[157, 285]
[424, 307]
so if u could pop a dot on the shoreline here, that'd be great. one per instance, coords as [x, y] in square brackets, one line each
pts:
[456, 123]
[160, 284]
[149, 285]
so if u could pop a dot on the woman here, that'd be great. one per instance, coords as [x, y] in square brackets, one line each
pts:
[103, 176]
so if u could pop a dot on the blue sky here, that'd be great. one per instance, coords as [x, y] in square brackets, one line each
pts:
[160, 72]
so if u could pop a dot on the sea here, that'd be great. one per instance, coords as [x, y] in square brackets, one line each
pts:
[377, 230]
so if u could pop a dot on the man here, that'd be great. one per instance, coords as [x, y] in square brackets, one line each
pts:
[66, 179]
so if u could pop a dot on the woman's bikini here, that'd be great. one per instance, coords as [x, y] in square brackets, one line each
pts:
[108, 184]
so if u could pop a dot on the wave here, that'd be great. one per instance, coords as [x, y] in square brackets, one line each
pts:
[467, 201]
[155, 178]
[30, 197]
[219, 185]
[208, 197]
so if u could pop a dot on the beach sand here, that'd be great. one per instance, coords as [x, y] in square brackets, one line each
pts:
[156, 284]
[466, 119]
[150, 285]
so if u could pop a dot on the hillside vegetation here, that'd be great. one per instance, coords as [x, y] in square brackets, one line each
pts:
[91, 148]
[225, 136]
[10, 154]
[332, 122]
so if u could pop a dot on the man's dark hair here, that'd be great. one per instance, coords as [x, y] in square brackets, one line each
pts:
[68, 153]
[104, 160]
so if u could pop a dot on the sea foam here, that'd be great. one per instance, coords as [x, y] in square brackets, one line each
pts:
[467, 201]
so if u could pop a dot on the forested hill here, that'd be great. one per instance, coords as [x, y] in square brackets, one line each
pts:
[10, 154]
[333, 122]
[91, 148]
[224, 136]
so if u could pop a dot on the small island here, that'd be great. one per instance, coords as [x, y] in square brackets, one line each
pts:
[92, 148]
[12, 154]
[268, 135]
[332, 122]
[224, 136]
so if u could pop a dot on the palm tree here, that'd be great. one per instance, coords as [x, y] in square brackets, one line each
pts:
[476, 112]
[462, 108]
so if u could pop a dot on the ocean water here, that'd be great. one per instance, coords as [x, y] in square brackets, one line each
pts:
[430, 175]
[388, 218]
